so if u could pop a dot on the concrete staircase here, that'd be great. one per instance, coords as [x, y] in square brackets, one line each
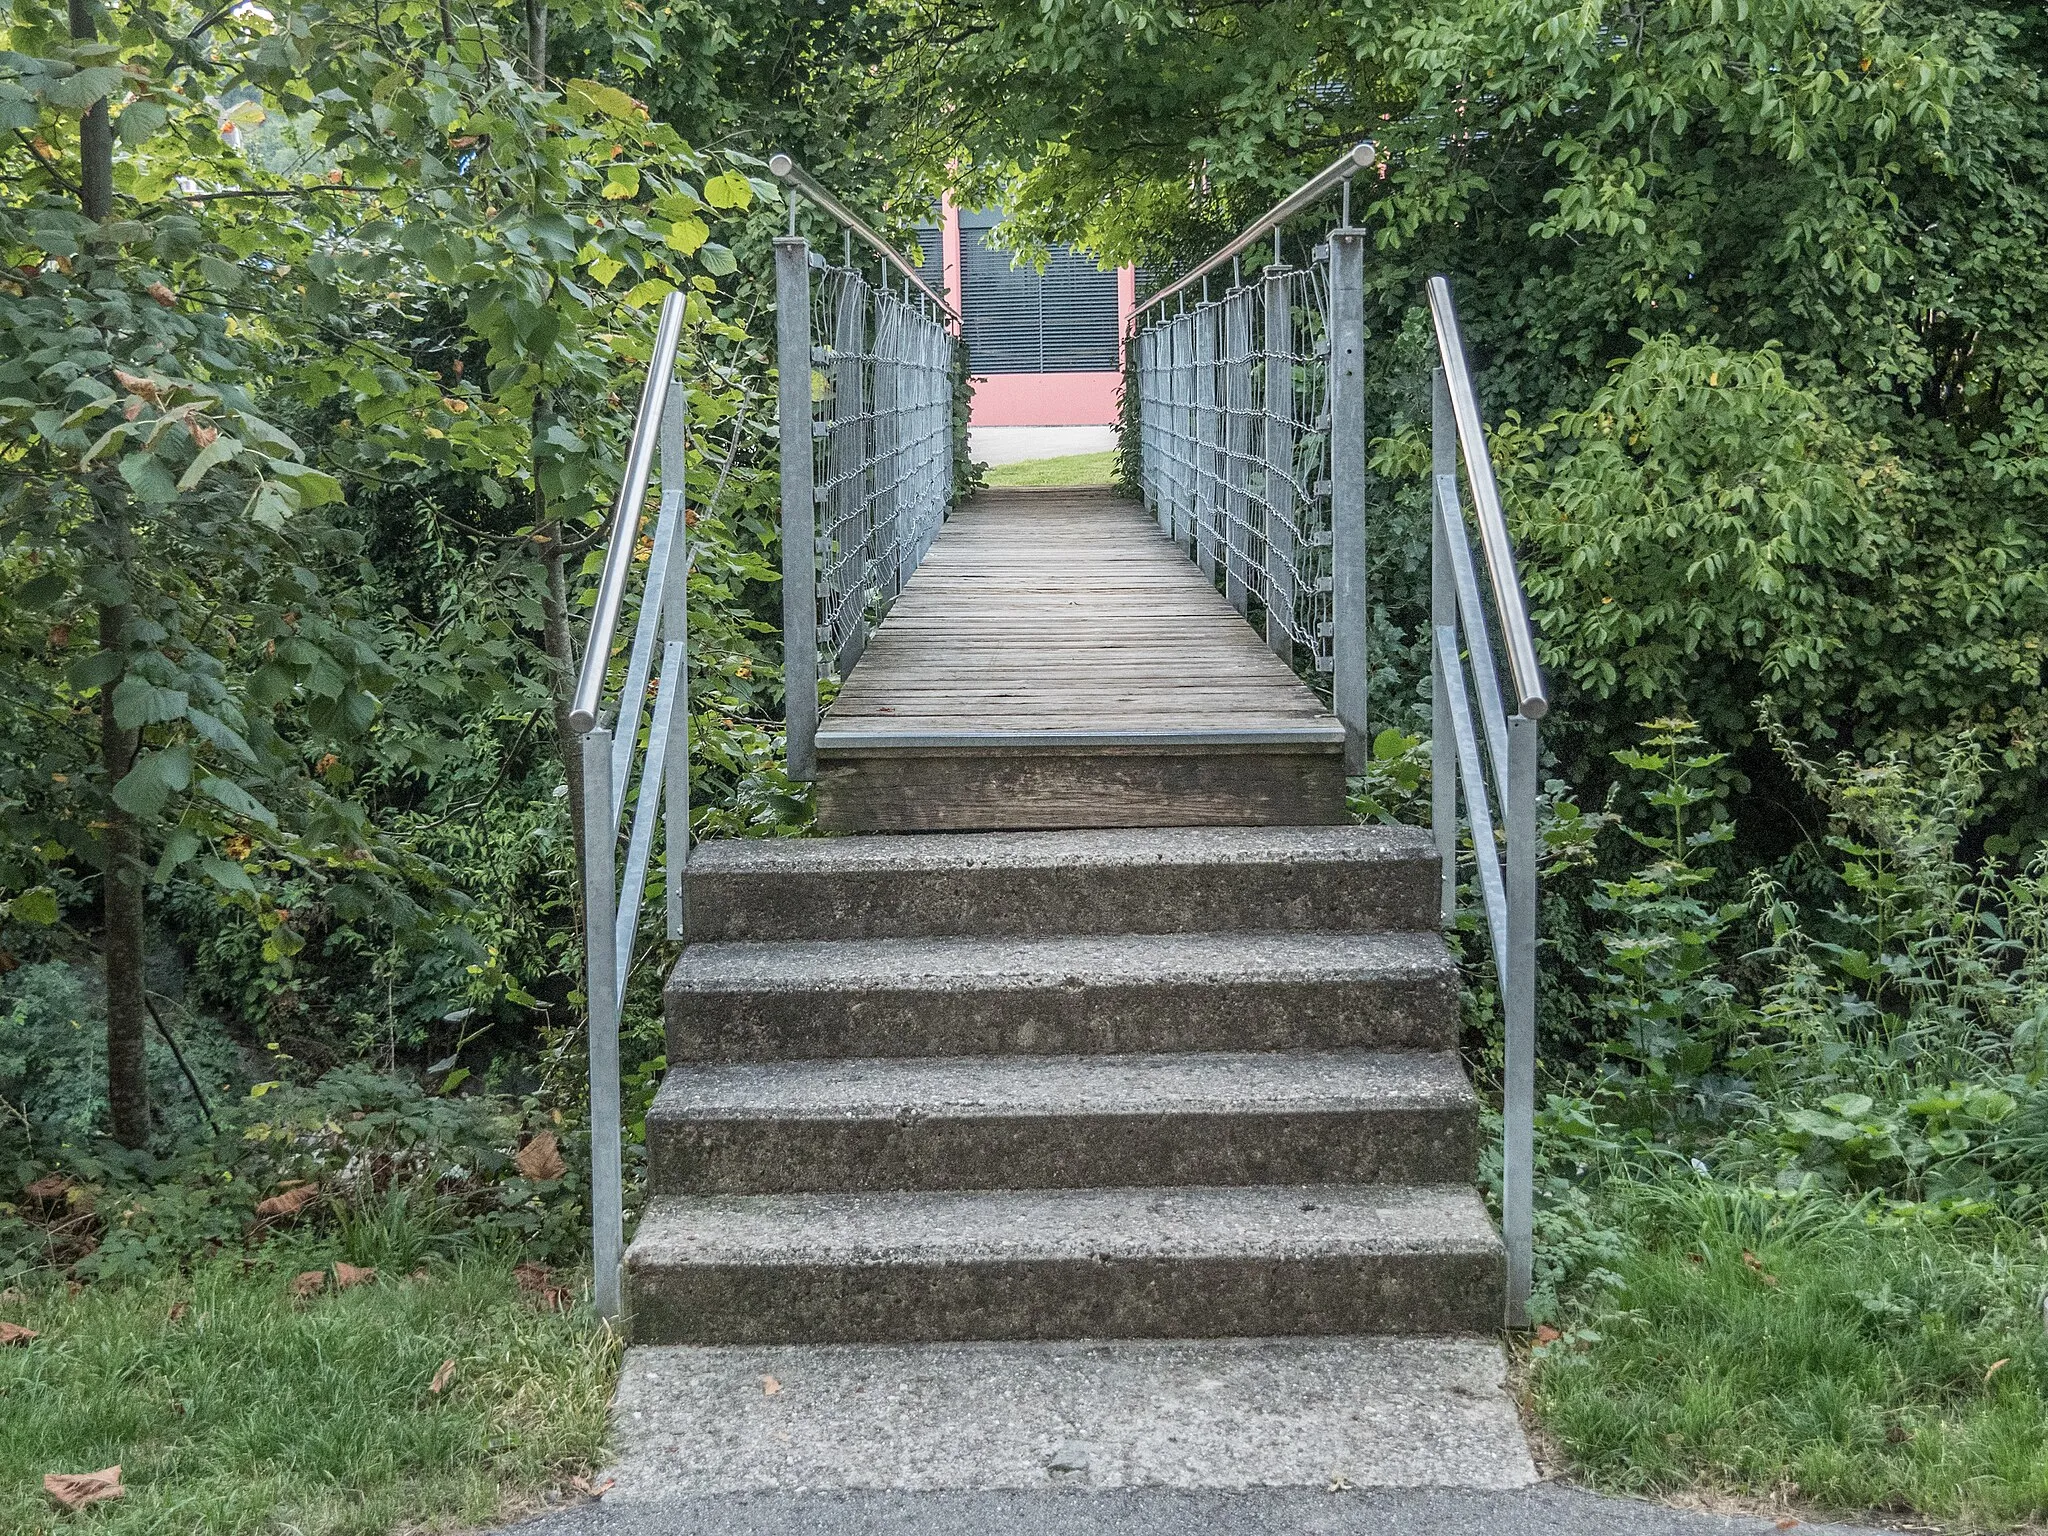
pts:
[1190, 1083]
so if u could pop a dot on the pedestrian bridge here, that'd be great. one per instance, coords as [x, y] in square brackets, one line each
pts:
[1094, 1016]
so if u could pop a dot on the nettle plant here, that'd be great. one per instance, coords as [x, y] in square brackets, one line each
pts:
[1659, 983]
[1912, 1014]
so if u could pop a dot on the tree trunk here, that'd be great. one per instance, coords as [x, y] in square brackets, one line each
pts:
[122, 876]
[536, 40]
[95, 135]
[122, 917]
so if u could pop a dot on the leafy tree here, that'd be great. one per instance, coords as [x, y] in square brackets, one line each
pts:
[396, 233]
[1832, 207]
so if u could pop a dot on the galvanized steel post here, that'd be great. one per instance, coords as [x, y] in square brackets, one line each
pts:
[1347, 490]
[1443, 610]
[799, 515]
[1237, 445]
[601, 1010]
[1279, 402]
[1518, 1106]
[1206, 435]
[675, 623]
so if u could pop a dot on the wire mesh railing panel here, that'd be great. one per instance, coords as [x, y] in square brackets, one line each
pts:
[881, 451]
[1234, 439]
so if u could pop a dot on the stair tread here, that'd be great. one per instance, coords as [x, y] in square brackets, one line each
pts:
[897, 965]
[1075, 851]
[951, 1228]
[1190, 1083]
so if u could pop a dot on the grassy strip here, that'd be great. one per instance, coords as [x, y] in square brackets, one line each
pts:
[1074, 469]
[1785, 1348]
[250, 1410]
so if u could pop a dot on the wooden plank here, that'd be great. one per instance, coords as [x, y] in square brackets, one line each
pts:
[1042, 615]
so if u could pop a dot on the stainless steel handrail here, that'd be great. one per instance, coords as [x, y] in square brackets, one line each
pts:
[618, 556]
[1342, 169]
[1532, 698]
[786, 168]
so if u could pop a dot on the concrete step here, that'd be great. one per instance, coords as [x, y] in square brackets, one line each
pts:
[1037, 884]
[1045, 779]
[1063, 1122]
[1054, 1417]
[1091, 1263]
[1103, 994]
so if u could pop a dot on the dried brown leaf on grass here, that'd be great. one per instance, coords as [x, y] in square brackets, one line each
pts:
[442, 1378]
[346, 1275]
[541, 1158]
[538, 1282]
[309, 1282]
[288, 1202]
[50, 1187]
[14, 1333]
[590, 1490]
[75, 1490]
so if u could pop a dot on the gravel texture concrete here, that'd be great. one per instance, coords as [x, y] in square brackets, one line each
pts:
[1025, 884]
[1064, 1264]
[1232, 1413]
[1110, 994]
[1062, 1122]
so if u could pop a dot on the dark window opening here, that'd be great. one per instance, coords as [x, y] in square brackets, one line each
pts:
[1021, 320]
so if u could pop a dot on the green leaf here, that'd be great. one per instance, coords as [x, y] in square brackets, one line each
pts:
[219, 451]
[236, 799]
[587, 96]
[687, 234]
[148, 478]
[729, 190]
[653, 291]
[228, 875]
[717, 260]
[218, 733]
[156, 776]
[623, 181]
[179, 848]
[74, 93]
[139, 120]
[37, 905]
[139, 702]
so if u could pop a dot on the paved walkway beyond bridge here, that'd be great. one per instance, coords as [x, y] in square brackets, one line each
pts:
[1055, 662]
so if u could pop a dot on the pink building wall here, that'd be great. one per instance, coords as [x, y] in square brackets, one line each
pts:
[1043, 399]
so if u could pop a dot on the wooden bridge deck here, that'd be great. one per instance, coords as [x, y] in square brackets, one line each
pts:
[1056, 663]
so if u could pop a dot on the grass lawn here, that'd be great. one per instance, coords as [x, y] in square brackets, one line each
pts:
[233, 1406]
[1074, 469]
[1759, 1348]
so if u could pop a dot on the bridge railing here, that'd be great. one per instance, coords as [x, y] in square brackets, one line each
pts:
[866, 363]
[1253, 439]
[622, 765]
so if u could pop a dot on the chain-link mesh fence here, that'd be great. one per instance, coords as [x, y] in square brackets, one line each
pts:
[882, 450]
[1234, 426]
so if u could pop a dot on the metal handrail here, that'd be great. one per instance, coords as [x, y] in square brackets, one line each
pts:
[786, 168]
[1533, 699]
[618, 558]
[1342, 169]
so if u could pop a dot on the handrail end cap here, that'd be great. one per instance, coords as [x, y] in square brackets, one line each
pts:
[1534, 709]
[1362, 154]
[581, 721]
[781, 164]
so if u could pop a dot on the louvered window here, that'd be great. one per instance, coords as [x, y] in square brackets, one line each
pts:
[1020, 320]
[931, 241]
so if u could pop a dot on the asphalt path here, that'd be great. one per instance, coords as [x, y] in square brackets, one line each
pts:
[1546, 1510]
